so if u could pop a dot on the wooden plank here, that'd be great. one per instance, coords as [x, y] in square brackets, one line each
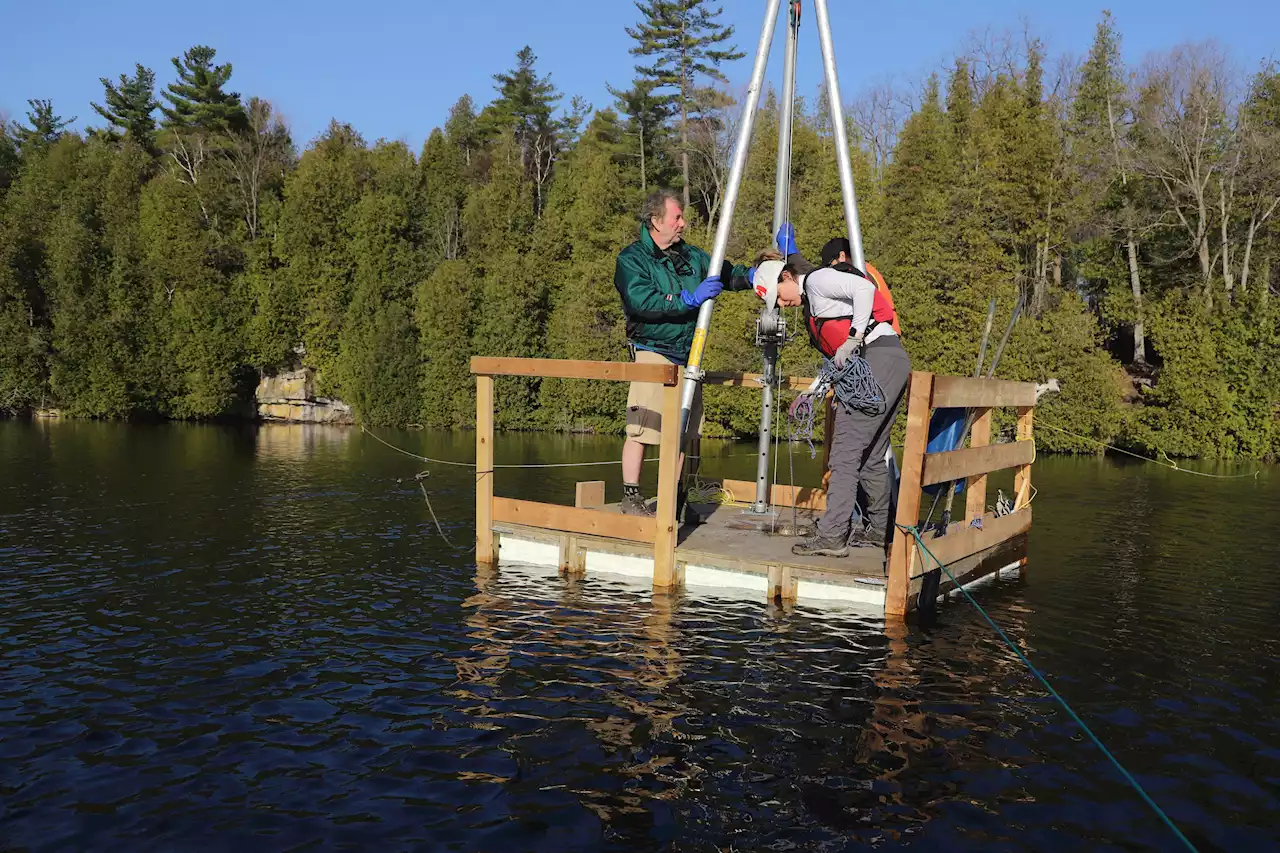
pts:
[744, 491]
[589, 494]
[971, 461]
[968, 392]
[1022, 476]
[569, 519]
[968, 541]
[486, 554]
[828, 430]
[753, 380]
[567, 368]
[665, 524]
[919, 407]
[976, 490]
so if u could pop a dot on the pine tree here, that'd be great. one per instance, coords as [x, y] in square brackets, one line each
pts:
[646, 139]
[197, 98]
[462, 130]
[524, 107]
[43, 129]
[685, 40]
[130, 104]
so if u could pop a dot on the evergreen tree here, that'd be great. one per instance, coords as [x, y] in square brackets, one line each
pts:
[462, 130]
[316, 232]
[646, 142]
[685, 40]
[590, 220]
[443, 315]
[444, 187]
[130, 104]
[43, 127]
[524, 107]
[197, 98]
[379, 356]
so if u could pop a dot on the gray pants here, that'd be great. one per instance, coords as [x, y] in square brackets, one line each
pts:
[858, 446]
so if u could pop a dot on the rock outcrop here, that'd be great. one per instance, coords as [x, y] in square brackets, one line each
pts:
[291, 397]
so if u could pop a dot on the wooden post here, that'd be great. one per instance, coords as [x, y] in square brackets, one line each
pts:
[589, 494]
[486, 554]
[919, 407]
[976, 498]
[664, 543]
[1022, 474]
[828, 428]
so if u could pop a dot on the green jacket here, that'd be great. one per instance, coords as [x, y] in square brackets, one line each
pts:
[649, 280]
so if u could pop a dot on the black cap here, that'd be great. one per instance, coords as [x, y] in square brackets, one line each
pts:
[833, 248]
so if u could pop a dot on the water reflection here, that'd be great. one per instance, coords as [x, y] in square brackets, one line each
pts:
[271, 648]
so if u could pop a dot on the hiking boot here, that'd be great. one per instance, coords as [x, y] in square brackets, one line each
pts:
[818, 545]
[861, 538]
[635, 505]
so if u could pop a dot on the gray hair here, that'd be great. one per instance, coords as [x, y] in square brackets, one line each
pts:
[655, 206]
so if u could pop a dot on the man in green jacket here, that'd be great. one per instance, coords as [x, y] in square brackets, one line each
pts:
[663, 281]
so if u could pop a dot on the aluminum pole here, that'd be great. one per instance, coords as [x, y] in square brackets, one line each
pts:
[781, 206]
[841, 135]
[693, 370]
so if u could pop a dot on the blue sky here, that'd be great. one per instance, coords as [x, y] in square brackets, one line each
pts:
[393, 68]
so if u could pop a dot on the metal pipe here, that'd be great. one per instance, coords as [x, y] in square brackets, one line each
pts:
[841, 135]
[693, 370]
[781, 206]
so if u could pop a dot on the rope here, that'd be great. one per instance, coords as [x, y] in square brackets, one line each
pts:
[914, 531]
[472, 464]
[439, 529]
[1170, 464]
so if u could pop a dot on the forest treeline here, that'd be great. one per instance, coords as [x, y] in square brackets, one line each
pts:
[161, 262]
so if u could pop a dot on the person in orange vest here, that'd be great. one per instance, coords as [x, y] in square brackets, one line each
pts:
[837, 253]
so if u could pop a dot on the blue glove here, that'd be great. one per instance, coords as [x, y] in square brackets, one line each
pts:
[709, 289]
[787, 239]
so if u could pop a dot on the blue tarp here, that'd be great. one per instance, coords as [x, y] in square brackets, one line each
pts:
[944, 435]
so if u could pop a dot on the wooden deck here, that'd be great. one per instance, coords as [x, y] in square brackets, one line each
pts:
[728, 551]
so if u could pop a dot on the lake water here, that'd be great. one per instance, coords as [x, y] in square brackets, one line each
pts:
[243, 638]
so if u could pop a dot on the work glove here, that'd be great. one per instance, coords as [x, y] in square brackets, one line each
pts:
[847, 350]
[709, 289]
[787, 239]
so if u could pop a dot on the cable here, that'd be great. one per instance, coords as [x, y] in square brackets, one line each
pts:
[1170, 464]
[914, 531]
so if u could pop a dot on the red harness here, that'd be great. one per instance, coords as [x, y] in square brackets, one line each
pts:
[828, 333]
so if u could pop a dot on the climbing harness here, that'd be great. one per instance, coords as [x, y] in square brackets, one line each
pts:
[914, 532]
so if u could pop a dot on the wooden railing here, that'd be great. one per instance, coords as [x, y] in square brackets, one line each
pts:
[659, 531]
[973, 464]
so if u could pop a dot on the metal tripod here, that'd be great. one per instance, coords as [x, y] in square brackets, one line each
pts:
[770, 329]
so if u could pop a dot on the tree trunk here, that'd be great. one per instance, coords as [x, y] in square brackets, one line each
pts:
[1226, 243]
[1135, 283]
[644, 183]
[684, 109]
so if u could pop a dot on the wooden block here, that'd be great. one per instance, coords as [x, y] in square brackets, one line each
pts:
[1022, 477]
[964, 392]
[568, 519]
[567, 368]
[971, 461]
[486, 554]
[919, 407]
[665, 524]
[744, 491]
[589, 494]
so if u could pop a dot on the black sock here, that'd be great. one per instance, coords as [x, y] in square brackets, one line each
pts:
[632, 490]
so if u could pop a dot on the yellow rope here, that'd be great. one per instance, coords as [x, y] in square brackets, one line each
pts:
[1170, 464]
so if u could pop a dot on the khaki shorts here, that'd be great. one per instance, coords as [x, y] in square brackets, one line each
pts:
[644, 406]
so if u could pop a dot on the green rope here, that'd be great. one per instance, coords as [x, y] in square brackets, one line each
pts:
[914, 531]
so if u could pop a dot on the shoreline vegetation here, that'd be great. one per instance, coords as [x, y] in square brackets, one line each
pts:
[169, 262]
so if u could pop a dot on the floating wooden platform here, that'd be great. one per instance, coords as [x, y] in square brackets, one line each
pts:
[723, 553]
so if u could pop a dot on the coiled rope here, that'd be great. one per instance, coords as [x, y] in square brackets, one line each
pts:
[855, 386]
[913, 531]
